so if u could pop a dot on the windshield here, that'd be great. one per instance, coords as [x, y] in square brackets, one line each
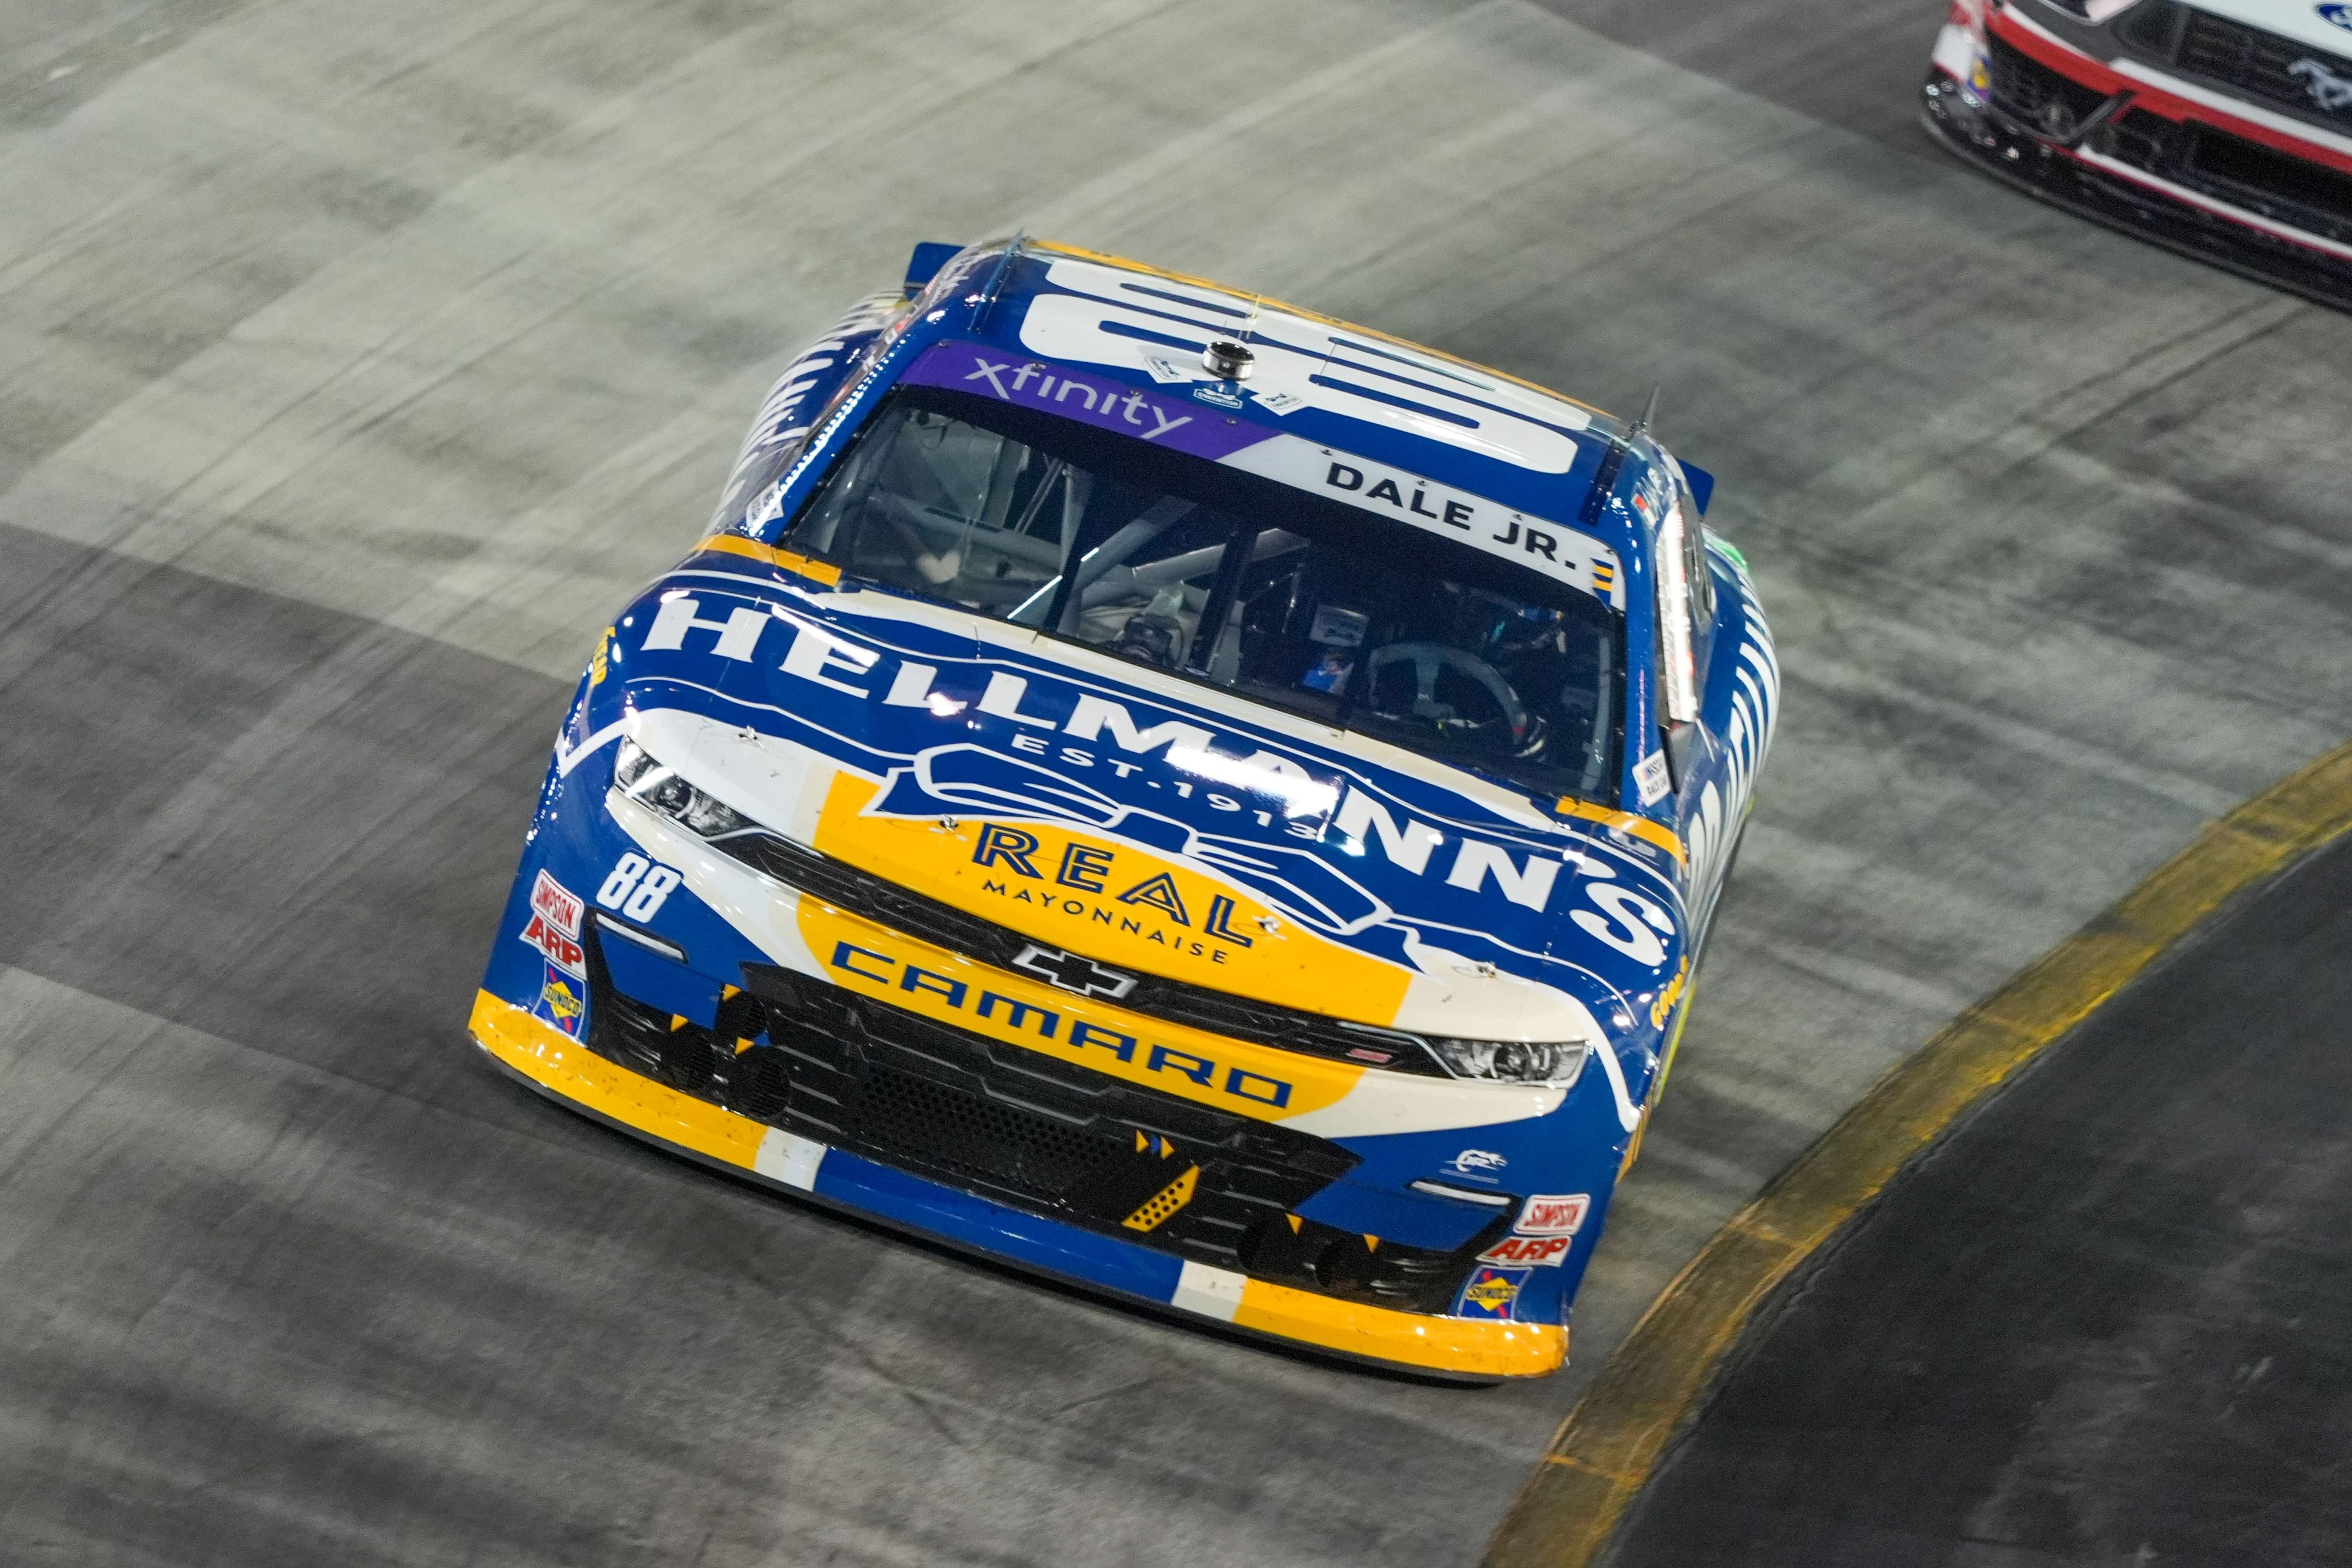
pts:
[1221, 575]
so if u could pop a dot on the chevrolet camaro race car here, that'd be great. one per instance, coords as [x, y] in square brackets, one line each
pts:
[2221, 129]
[1165, 791]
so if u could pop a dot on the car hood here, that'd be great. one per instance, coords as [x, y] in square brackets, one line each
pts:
[1145, 821]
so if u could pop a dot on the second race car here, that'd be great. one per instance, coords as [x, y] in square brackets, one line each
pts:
[2223, 129]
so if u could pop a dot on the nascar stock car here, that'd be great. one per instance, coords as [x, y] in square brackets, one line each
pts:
[2221, 129]
[1161, 789]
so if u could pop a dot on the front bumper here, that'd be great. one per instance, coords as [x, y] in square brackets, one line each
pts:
[2070, 131]
[561, 1065]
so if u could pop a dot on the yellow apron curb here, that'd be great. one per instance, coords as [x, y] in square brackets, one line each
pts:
[1605, 1451]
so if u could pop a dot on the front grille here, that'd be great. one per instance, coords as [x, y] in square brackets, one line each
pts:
[1175, 1002]
[2256, 177]
[2262, 66]
[2231, 169]
[1023, 1129]
[2141, 138]
[2031, 93]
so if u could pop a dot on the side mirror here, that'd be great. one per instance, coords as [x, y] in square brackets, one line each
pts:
[1679, 737]
[925, 263]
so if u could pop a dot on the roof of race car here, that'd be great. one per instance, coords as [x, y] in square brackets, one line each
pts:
[1327, 386]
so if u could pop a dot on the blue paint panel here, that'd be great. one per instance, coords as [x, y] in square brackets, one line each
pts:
[1406, 1217]
[658, 982]
[972, 1221]
[515, 969]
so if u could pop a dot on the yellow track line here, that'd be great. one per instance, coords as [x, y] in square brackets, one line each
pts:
[1565, 1514]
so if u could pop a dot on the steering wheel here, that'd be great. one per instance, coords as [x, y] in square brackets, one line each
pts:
[1427, 659]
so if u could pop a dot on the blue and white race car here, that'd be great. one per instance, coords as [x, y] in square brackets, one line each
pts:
[1165, 790]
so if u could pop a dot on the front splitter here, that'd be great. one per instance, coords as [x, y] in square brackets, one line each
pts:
[560, 1066]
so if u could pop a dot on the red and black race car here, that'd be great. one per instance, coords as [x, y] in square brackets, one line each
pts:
[2223, 129]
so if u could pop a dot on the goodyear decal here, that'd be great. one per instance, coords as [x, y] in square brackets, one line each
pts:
[874, 961]
[1664, 1005]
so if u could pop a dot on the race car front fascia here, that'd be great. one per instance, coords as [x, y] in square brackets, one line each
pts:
[2224, 131]
[951, 836]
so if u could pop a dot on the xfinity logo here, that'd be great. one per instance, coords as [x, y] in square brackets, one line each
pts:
[1073, 973]
[2328, 91]
[1097, 399]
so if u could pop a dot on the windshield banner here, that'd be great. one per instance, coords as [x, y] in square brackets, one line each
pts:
[1097, 401]
[1559, 553]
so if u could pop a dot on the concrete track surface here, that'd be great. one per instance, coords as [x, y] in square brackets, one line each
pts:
[356, 361]
[2104, 1322]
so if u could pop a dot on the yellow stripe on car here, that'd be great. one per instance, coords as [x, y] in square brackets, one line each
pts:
[1639, 827]
[1451, 1345]
[768, 555]
[547, 1056]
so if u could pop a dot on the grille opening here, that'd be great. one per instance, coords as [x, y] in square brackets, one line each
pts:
[2154, 29]
[2026, 89]
[2137, 138]
[2255, 176]
[1309, 1256]
[2259, 63]
[971, 1136]
[2231, 169]
[692, 1060]
[760, 1087]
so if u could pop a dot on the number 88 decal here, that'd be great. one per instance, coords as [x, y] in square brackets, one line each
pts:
[636, 887]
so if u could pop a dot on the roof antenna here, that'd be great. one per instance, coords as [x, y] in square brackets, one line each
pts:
[986, 300]
[1642, 425]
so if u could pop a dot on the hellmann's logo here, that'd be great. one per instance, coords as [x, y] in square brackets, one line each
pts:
[1062, 738]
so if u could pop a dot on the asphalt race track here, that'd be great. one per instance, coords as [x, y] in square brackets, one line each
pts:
[356, 361]
[2106, 1321]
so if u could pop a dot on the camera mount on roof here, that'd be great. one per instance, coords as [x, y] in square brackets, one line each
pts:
[1228, 361]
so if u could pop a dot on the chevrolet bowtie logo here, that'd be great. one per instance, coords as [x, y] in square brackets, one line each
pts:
[1072, 973]
[2327, 90]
